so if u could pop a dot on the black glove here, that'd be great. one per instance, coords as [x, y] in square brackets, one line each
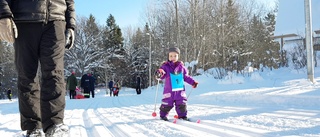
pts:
[69, 38]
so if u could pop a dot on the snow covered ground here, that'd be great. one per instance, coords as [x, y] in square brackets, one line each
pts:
[274, 103]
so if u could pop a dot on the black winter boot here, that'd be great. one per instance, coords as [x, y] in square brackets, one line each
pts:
[184, 118]
[35, 133]
[164, 118]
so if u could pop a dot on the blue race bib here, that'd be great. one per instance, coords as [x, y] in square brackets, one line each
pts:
[177, 81]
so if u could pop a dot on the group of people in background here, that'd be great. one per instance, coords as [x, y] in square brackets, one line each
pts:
[86, 83]
[114, 87]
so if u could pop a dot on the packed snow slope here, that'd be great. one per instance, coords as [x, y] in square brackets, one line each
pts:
[271, 103]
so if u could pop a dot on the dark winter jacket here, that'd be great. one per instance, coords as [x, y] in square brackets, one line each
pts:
[85, 81]
[39, 11]
[9, 92]
[72, 82]
[111, 84]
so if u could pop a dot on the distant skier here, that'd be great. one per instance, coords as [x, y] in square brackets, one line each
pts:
[175, 74]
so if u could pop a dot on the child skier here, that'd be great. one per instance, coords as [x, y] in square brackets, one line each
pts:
[116, 88]
[175, 74]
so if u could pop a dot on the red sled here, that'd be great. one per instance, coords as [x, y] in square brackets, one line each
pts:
[79, 96]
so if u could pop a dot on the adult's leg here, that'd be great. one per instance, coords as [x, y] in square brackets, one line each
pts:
[52, 48]
[9, 96]
[73, 94]
[86, 92]
[70, 94]
[26, 60]
[92, 93]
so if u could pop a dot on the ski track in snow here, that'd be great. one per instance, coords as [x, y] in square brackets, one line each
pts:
[265, 112]
[124, 120]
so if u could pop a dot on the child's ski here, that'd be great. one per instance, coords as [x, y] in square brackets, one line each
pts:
[176, 119]
[188, 120]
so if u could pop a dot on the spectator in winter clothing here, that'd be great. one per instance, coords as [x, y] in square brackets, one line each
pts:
[9, 94]
[111, 87]
[85, 85]
[116, 88]
[91, 84]
[175, 74]
[40, 31]
[138, 85]
[71, 85]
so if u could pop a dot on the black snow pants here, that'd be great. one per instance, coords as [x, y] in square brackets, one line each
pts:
[41, 94]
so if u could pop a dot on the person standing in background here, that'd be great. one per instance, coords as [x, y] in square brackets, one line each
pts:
[40, 31]
[72, 84]
[138, 85]
[92, 80]
[85, 85]
[116, 88]
[9, 93]
[111, 87]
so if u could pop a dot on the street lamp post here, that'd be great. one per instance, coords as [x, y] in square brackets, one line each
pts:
[149, 59]
[309, 44]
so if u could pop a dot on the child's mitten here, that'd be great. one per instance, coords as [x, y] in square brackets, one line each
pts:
[195, 84]
[160, 73]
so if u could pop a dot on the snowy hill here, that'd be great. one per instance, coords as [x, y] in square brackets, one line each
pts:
[275, 103]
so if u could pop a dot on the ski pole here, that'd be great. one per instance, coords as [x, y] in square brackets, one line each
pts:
[189, 93]
[154, 114]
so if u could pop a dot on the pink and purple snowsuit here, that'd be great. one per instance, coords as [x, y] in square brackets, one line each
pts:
[174, 96]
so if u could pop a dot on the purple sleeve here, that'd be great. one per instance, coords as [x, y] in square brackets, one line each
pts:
[187, 78]
[165, 70]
